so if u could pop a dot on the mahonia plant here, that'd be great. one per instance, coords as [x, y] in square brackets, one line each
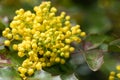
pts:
[115, 75]
[43, 38]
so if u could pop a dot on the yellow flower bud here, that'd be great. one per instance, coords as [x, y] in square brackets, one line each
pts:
[7, 29]
[38, 18]
[52, 59]
[62, 49]
[47, 53]
[16, 37]
[111, 78]
[68, 33]
[52, 54]
[118, 67]
[74, 32]
[43, 64]
[45, 9]
[48, 64]
[34, 45]
[42, 59]
[31, 53]
[72, 49]
[41, 52]
[9, 36]
[21, 54]
[62, 14]
[68, 41]
[57, 59]
[62, 61]
[62, 54]
[14, 31]
[15, 46]
[78, 31]
[53, 9]
[20, 11]
[67, 17]
[22, 70]
[82, 34]
[38, 66]
[66, 47]
[67, 55]
[21, 49]
[65, 29]
[118, 75]
[24, 64]
[30, 63]
[112, 73]
[42, 34]
[54, 50]
[7, 42]
[77, 26]
[67, 22]
[4, 33]
[36, 8]
[30, 71]
[51, 15]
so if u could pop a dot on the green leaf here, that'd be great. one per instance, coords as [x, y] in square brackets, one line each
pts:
[97, 21]
[43, 75]
[56, 77]
[115, 42]
[2, 26]
[68, 77]
[58, 69]
[77, 59]
[114, 46]
[95, 41]
[94, 59]
[9, 73]
[15, 59]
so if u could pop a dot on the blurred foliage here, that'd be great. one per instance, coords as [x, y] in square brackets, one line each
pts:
[99, 18]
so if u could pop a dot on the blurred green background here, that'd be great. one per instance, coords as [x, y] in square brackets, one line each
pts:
[100, 19]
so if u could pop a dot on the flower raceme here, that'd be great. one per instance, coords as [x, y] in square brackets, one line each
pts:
[43, 37]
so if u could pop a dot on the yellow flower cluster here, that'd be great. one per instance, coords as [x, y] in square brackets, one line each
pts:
[42, 37]
[115, 75]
